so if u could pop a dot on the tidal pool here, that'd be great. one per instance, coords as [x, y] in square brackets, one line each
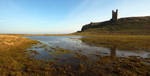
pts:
[76, 45]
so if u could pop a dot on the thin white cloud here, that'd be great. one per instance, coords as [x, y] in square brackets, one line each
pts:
[96, 10]
[87, 11]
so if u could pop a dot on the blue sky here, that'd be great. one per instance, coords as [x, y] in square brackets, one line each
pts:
[63, 16]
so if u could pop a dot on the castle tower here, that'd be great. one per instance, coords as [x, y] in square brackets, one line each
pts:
[114, 15]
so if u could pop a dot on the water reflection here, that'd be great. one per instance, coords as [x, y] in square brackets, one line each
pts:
[113, 51]
[75, 44]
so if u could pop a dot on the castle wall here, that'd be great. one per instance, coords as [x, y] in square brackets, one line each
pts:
[114, 15]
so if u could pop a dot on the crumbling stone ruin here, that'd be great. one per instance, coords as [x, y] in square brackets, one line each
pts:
[114, 15]
[112, 21]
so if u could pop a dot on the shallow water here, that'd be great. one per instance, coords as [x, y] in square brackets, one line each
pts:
[76, 45]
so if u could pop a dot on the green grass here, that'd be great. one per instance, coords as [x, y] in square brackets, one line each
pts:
[131, 25]
[123, 42]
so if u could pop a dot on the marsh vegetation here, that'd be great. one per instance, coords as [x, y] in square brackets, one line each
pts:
[125, 42]
[18, 57]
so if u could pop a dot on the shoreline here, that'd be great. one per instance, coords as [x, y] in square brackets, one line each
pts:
[15, 62]
[39, 34]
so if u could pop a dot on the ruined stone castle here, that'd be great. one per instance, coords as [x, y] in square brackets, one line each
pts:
[112, 21]
[114, 15]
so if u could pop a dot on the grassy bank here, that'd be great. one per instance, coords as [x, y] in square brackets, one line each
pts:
[129, 25]
[15, 61]
[13, 54]
[124, 42]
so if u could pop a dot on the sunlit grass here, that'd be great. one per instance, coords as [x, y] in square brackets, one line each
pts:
[125, 42]
[15, 61]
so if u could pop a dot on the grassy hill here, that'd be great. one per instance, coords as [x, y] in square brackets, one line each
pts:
[130, 25]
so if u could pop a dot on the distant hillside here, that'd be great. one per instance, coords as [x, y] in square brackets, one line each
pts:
[130, 25]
